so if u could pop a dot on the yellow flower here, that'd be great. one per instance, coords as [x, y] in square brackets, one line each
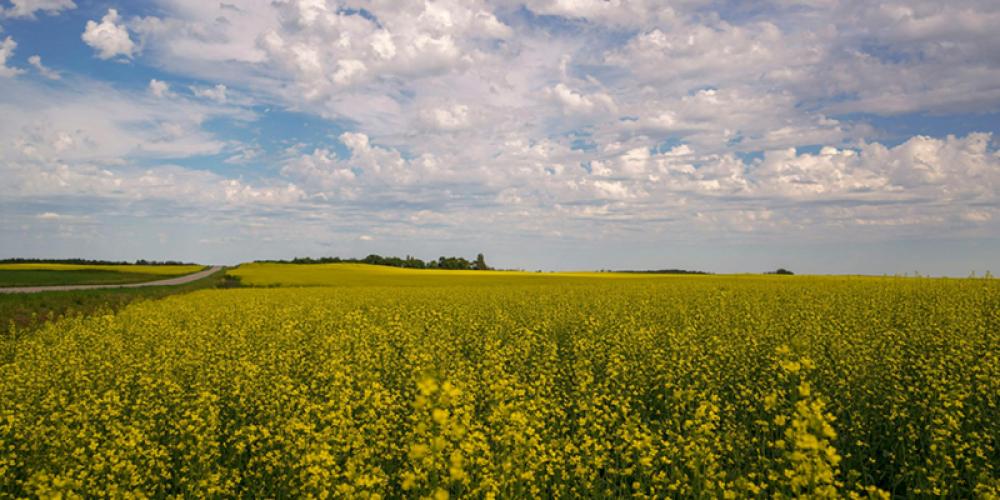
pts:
[440, 416]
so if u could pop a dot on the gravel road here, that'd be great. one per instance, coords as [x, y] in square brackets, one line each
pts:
[167, 282]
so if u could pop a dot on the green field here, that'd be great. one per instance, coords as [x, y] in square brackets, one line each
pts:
[171, 270]
[17, 278]
[18, 275]
[29, 310]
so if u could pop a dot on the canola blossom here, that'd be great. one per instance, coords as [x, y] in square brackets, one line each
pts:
[646, 388]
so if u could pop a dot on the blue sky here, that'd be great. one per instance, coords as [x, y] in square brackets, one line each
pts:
[827, 136]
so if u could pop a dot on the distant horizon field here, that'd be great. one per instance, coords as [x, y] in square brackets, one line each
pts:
[34, 275]
[340, 274]
[134, 269]
[271, 275]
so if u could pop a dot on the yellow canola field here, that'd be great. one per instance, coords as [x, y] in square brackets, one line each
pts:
[646, 388]
[366, 275]
[155, 270]
[270, 275]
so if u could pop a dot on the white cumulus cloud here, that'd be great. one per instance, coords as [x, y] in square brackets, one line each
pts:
[27, 8]
[158, 88]
[217, 93]
[108, 37]
[455, 117]
[6, 52]
[49, 73]
[574, 103]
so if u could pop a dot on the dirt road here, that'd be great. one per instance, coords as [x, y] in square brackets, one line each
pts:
[167, 282]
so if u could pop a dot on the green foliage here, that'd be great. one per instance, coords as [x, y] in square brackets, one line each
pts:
[446, 263]
[781, 272]
[481, 263]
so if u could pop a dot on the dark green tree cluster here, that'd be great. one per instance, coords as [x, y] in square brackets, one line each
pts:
[781, 271]
[665, 271]
[143, 262]
[449, 263]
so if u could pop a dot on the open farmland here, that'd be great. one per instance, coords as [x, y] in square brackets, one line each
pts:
[275, 275]
[138, 269]
[27, 311]
[17, 275]
[529, 386]
[28, 278]
[337, 275]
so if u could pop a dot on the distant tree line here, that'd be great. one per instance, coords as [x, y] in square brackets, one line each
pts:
[781, 271]
[88, 262]
[665, 271]
[449, 263]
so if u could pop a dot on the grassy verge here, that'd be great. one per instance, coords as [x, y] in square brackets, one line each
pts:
[30, 310]
[18, 278]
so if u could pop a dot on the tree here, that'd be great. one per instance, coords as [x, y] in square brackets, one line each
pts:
[481, 263]
[784, 271]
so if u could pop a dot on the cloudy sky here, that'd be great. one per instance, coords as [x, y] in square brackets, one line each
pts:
[827, 136]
